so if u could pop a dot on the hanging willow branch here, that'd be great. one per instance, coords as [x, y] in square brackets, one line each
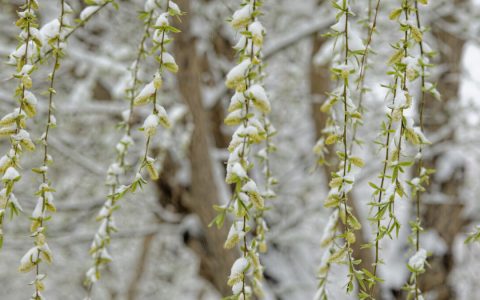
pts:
[14, 124]
[338, 246]
[158, 116]
[417, 261]
[53, 33]
[396, 130]
[248, 110]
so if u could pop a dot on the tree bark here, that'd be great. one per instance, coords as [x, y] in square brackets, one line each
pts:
[215, 261]
[141, 263]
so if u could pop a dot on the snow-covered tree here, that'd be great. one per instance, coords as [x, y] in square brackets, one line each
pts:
[246, 149]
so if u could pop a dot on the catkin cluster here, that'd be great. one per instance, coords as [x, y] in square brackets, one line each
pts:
[248, 110]
[157, 27]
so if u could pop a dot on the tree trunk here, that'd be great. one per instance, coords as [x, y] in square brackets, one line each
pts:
[215, 261]
[140, 265]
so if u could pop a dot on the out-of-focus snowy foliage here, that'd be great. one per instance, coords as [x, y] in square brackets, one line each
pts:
[91, 100]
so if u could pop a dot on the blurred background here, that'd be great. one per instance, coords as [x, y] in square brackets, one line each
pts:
[164, 249]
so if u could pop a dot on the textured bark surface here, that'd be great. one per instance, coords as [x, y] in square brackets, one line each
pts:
[215, 261]
[140, 267]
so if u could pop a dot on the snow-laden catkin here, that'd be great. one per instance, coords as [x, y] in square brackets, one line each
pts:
[397, 129]
[248, 110]
[53, 35]
[157, 21]
[13, 124]
[473, 236]
[337, 132]
[418, 68]
[327, 244]
[262, 103]
[362, 87]
[93, 7]
[264, 155]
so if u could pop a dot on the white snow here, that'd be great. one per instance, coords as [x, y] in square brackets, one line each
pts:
[239, 266]
[329, 230]
[417, 261]
[347, 185]
[20, 51]
[38, 211]
[234, 117]
[447, 164]
[421, 135]
[15, 203]
[127, 140]
[147, 92]
[167, 58]
[26, 69]
[10, 174]
[4, 161]
[237, 73]
[105, 255]
[241, 44]
[242, 16]
[150, 124]
[163, 116]
[237, 288]
[344, 67]
[150, 5]
[340, 25]
[104, 212]
[257, 31]
[92, 276]
[236, 230]
[243, 197]
[67, 8]
[21, 135]
[115, 169]
[355, 43]
[88, 11]
[250, 187]
[239, 171]
[174, 7]
[162, 20]
[29, 259]
[50, 30]
[236, 102]
[389, 193]
[30, 98]
[259, 97]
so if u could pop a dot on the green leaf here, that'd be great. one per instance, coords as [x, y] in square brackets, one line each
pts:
[353, 222]
[395, 14]
[218, 220]
[172, 67]
[357, 161]
[331, 202]
[331, 139]
[338, 256]
[416, 33]
[396, 58]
